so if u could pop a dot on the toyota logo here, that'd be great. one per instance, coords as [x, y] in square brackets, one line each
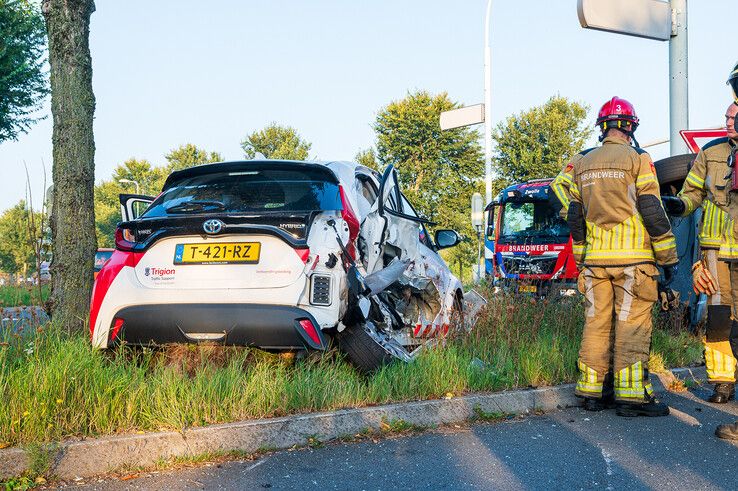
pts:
[212, 226]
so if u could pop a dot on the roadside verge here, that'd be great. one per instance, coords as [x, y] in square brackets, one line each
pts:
[89, 457]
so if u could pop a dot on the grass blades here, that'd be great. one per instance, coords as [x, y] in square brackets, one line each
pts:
[53, 385]
[15, 296]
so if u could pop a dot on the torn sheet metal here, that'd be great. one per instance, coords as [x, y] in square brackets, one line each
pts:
[380, 280]
[473, 304]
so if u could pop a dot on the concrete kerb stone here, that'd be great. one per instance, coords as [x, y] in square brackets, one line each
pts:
[90, 457]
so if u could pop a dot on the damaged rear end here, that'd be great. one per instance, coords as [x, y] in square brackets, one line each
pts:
[401, 295]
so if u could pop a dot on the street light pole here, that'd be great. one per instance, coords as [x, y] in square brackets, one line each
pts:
[130, 181]
[488, 108]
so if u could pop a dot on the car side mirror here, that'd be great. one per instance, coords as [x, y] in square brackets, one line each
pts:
[446, 238]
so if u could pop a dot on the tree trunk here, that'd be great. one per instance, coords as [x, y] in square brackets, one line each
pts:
[72, 107]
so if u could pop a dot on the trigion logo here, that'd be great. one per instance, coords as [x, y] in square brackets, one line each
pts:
[159, 271]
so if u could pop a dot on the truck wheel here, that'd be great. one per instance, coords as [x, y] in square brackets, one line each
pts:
[673, 169]
[367, 349]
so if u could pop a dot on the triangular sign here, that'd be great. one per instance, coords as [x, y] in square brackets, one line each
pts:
[696, 139]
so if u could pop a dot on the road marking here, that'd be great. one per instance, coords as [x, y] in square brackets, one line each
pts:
[257, 464]
[608, 467]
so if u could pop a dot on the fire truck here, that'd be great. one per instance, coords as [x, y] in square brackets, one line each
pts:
[528, 247]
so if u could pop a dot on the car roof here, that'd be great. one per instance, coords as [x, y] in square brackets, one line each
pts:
[243, 165]
[338, 170]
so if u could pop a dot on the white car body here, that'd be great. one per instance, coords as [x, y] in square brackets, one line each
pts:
[298, 290]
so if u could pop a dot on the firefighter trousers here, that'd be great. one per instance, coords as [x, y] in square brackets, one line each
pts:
[733, 335]
[719, 360]
[616, 341]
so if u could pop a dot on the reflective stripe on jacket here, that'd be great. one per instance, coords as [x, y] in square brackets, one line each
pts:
[710, 179]
[713, 225]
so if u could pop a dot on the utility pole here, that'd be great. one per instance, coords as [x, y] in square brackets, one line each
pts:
[650, 19]
[678, 80]
[488, 107]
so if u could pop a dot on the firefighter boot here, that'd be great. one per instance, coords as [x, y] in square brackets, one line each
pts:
[651, 407]
[727, 431]
[723, 393]
[607, 401]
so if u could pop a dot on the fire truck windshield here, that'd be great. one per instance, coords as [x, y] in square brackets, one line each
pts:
[532, 222]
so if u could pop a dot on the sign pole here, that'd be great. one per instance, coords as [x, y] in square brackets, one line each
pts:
[487, 107]
[477, 221]
[678, 81]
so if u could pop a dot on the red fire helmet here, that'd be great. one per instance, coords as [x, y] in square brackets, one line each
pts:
[618, 111]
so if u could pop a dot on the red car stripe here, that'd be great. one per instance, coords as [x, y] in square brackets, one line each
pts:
[349, 217]
[105, 278]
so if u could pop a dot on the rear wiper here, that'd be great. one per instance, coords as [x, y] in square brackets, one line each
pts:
[196, 205]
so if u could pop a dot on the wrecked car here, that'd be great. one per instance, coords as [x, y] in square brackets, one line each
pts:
[280, 255]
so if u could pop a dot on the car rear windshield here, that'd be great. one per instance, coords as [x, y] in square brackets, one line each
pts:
[251, 191]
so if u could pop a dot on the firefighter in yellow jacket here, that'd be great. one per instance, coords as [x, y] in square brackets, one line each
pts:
[620, 232]
[708, 184]
[719, 360]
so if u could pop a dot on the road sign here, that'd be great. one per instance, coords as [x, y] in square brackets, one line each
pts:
[695, 139]
[477, 210]
[642, 18]
[464, 116]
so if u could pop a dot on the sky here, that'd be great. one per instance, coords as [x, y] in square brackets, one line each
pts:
[171, 72]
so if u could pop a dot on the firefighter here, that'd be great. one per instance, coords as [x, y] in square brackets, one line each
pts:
[560, 186]
[620, 233]
[708, 184]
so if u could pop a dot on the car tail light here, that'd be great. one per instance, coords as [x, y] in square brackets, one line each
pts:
[304, 254]
[117, 324]
[125, 239]
[320, 290]
[309, 328]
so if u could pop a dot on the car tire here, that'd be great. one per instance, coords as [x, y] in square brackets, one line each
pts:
[363, 350]
[673, 169]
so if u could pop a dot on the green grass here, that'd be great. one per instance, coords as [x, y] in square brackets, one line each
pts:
[14, 296]
[54, 385]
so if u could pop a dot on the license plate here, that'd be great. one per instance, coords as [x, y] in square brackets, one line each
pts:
[218, 253]
[528, 288]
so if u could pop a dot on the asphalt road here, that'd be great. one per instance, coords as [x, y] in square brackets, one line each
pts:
[568, 449]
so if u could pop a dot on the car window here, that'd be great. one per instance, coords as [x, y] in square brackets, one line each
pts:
[368, 189]
[408, 209]
[257, 191]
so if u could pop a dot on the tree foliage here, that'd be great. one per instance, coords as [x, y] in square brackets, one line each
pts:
[368, 158]
[276, 142]
[438, 170]
[188, 155]
[17, 251]
[538, 142]
[107, 204]
[150, 179]
[23, 83]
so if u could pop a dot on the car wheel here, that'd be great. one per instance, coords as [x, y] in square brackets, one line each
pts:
[367, 348]
[673, 170]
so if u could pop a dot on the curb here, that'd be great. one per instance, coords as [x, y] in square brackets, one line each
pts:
[91, 457]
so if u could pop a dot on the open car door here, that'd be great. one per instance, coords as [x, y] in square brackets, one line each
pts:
[391, 228]
[132, 206]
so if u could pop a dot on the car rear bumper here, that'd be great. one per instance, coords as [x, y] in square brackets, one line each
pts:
[265, 326]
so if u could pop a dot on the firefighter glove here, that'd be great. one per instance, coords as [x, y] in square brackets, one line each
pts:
[674, 206]
[702, 279]
[669, 274]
